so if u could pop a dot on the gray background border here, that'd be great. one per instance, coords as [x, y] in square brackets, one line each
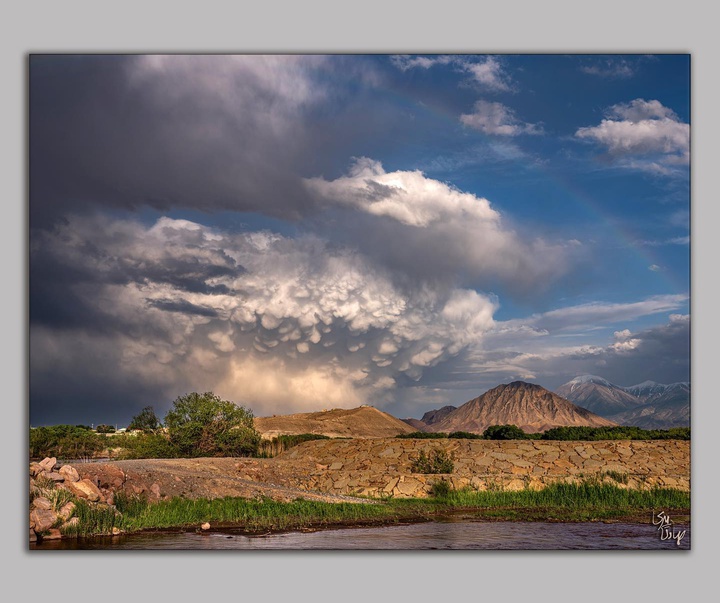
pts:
[370, 26]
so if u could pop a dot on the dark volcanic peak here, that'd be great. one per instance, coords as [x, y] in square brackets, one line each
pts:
[527, 405]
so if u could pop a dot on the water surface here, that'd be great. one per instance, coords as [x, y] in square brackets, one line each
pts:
[448, 534]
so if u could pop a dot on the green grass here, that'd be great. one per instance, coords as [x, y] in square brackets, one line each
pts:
[587, 501]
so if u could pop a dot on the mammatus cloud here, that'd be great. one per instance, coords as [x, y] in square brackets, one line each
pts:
[279, 324]
[497, 119]
[487, 72]
[420, 223]
[642, 135]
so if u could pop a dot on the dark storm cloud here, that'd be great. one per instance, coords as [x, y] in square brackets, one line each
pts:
[208, 133]
[660, 354]
[59, 281]
[182, 306]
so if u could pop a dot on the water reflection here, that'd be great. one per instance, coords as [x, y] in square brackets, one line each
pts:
[451, 534]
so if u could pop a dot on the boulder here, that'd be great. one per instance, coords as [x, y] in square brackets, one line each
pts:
[85, 489]
[69, 473]
[205, 526]
[42, 519]
[105, 475]
[42, 503]
[53, 534]
[33, 535]
[48, 464]
[54, 476]
[35, 469]
[67, 510]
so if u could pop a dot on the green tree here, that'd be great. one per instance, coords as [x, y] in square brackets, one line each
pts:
[504, 432]
[102, 428]
[206, 425]
[145, 420]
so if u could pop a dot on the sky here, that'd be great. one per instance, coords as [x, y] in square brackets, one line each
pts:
[304, 232]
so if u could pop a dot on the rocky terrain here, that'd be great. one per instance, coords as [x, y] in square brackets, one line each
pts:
[361, 422]
[530, 407]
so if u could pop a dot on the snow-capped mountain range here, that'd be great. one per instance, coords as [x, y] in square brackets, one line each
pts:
[648, 405]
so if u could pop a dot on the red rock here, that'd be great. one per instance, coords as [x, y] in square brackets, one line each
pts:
[48, 463]
[42, 503]
[42, 519]
[69, 473]
[85, 489]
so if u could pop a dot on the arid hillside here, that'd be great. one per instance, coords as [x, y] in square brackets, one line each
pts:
[361, 422]
[531, 407]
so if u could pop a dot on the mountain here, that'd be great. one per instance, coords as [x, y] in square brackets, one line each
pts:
[416, 424]
[664, 406]
[434, 416]
[655, 416]
[430, 418]
[649, 391]
[648, 404]
[361, 422]
[598, 395]
[529, 406]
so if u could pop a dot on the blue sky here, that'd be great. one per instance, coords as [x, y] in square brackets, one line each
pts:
[302, 232]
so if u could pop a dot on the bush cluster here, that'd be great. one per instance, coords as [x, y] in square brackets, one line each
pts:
[65, 441]
[196, 425]
[513, 432]
[437, 462]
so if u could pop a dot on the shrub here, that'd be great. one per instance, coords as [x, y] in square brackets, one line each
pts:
[64, 441]
[437, 462]
[504, 432]
[622, 432]
[145, 446]
[102, 428]
[270, 448]
[440, 489]
[422, 435]
[205, 425]
[465, 435]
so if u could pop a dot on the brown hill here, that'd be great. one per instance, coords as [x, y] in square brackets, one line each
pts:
[361, 422]
[529, 406]
[435, 416]
[416, 424]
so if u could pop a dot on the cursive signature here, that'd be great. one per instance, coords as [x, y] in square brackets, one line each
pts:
[665, 527]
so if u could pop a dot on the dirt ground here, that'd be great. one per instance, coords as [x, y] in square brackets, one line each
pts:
[204, 478]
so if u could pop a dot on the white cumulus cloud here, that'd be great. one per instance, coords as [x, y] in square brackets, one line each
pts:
[425, 224]
[497, 119]
[642, 135]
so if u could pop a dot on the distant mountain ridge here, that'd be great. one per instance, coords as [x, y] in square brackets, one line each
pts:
[529, 406]
[649, 405]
